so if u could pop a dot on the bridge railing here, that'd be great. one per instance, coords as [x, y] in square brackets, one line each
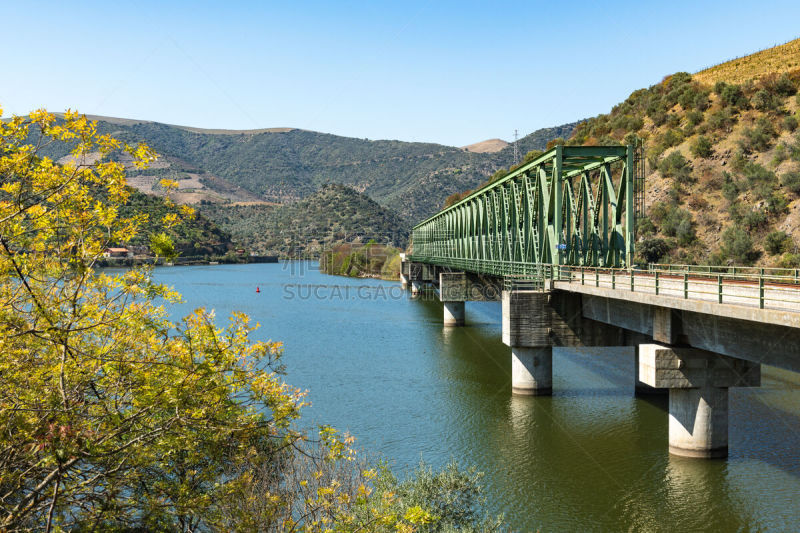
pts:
[743, 272]
[774, 289]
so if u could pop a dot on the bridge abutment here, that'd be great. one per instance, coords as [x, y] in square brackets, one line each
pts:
[698, 383]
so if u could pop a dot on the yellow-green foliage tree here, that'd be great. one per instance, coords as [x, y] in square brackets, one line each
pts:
[111, 415]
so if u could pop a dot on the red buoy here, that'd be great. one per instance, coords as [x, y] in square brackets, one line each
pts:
[258, 290]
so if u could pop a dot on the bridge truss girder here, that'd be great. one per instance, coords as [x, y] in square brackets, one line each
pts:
[573, 205]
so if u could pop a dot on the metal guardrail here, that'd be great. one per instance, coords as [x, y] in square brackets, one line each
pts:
[764, 288]
[741, 271]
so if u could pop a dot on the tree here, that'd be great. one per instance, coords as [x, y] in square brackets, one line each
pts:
[702, 147]
[738, 246]
[652, 250]
[113, 416]
[777, 242]
[676, 166]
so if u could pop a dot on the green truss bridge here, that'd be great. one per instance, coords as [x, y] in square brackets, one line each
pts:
[554, 241]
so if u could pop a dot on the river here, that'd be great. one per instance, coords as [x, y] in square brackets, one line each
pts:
[590, 458]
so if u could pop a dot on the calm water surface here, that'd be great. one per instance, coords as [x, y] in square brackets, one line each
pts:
[591, 458]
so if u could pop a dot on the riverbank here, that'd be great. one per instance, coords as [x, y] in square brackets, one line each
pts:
[369, 260]
[185, 261]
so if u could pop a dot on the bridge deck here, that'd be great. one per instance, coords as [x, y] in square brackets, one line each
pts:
[775, 301]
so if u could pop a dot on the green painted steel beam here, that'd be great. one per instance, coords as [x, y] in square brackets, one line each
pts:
[539, 214]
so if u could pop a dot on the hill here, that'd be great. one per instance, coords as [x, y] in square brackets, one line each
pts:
[284, 165]
[196, 236]
[333, 215]
[776, 60]
[487, 146]
[723, 176]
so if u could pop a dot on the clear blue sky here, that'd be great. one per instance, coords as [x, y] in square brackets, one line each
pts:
[446, 72]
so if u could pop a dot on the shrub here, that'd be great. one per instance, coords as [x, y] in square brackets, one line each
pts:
[780, 155]
[645, 226]
[719, 87]
[694, 117]
[701, 101]
[765, 101]
[672, 137]
[759, 137]
[777, 242]
[784, 86]
[790, 260]
[738, 246]
[730, 191]
[702, 147]
[659, 118]
[673, 120]
[754, 219]
[674, 222]
[722, 120]
[739, 160]
[733, 96]
[791, 180]
[652, 250]
[676, 167]
[790, 123]
[776, 203]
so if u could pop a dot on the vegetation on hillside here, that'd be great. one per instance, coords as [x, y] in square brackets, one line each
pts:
[286, 166]
[115, 418]
[723, 167]
[369, 260]
[334, 214]
[776, 60]
[722, 163]
[192, 235]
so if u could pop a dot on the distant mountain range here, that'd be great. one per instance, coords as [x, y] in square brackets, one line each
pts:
[284, 165]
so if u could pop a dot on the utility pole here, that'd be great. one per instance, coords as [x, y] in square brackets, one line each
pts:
[516, 148]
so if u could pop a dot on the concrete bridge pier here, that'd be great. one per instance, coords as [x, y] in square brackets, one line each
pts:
[453, 313]
[416, 288]
[698, 383]
[418, 274]
[403, 272]
[532, 370]
[526, 329]
[453, 295]
[640, 388]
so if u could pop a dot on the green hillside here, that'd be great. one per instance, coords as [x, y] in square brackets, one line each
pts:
[723, 181]
[284, 166]
[196, 236]
[723, 167]
[334, 214]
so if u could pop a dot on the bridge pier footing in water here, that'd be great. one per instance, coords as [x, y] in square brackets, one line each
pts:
[416, 288]
[698, 383]
[453, 313]
[532, 371]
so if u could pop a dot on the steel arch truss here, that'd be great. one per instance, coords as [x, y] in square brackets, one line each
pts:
[573, 205]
